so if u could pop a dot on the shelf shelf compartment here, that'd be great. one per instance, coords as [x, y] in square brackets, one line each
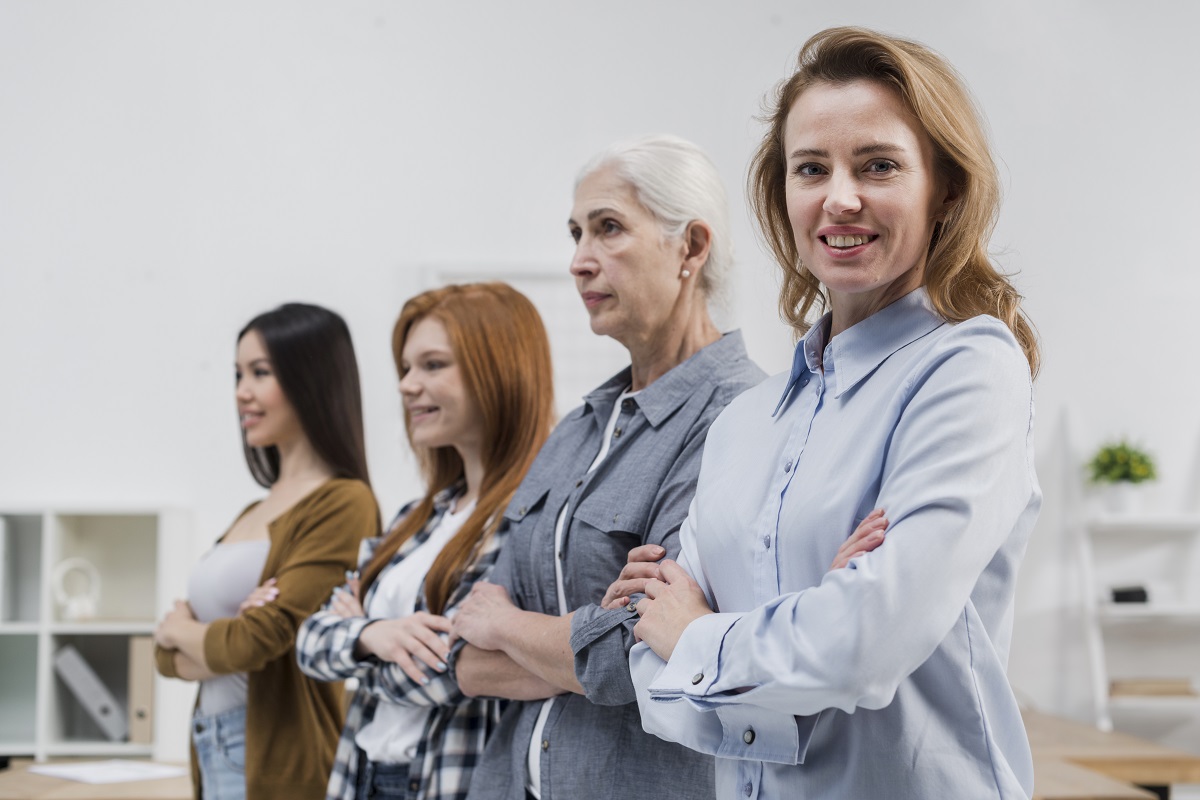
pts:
[20, 567]
[1128, 612]
[70, 722]
[18, 691]
[1134, 525]
[124, 550]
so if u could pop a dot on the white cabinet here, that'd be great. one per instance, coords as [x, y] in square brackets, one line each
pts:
[133, 554]
[1145, 656]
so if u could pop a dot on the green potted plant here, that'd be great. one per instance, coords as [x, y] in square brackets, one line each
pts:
[1119, 467]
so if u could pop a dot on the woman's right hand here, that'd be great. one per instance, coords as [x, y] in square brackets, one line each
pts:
[641, 566]
[260, 596]
[408, 642]
[866, 537]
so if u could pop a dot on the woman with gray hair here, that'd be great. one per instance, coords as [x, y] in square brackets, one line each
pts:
[650, 225]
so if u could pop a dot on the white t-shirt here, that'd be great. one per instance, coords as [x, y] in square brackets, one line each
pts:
[392, 735]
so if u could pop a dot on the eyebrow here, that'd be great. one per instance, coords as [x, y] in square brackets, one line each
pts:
[432, 351]
[253, 363]
[596, 212]
[864, 150]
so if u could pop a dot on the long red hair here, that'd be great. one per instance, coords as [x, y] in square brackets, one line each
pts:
[501, 347]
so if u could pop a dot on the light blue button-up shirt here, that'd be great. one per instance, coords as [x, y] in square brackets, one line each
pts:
[885, 679]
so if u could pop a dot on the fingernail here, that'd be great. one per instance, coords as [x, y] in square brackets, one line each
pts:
[425, 681]
[441, 665]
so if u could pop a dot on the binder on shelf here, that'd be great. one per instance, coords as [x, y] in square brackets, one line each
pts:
[91, 693]
[141, 689]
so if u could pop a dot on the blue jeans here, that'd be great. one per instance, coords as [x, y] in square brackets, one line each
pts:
[220, 742]
[379, 781]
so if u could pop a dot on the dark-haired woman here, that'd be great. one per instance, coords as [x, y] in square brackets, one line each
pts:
[474, 366]
[261, 729]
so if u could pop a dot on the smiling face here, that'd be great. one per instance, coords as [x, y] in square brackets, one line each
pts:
[862, 194]
[267, 418]
[440, 411]
[626, 270]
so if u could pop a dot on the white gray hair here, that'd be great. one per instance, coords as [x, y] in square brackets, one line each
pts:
[678, 183]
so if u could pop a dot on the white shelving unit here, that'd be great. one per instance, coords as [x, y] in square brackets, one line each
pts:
[39, 715]
[1156, 640]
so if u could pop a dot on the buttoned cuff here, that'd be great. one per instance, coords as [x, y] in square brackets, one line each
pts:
[694, 667]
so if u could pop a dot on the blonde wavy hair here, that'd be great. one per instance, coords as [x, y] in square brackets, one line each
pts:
[959, 274]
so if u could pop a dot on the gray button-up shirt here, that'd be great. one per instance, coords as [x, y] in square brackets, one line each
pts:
[593, 745]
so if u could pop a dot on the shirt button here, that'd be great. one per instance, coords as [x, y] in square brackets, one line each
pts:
[627, 404]
[748, 736]
[699, 676]
[545, 745]
[804, 382]
[579, 483]
[617, 433]
[767, 542]
[748, 788]
[788, 466]
[521, 511]
[413, 785]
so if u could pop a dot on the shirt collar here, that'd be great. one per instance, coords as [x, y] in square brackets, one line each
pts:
[660, 399]
[443, 499]
[857, 351]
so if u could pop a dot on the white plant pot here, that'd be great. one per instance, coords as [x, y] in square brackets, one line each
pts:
[1123, 497]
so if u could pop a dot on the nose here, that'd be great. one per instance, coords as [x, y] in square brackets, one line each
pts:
[408, 384]
[584, 262]
[843, 195]
[242, 391]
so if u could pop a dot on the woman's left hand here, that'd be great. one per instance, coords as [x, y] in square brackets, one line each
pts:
[346, 604]
[481, 616]
[668, 608]
[167, 630]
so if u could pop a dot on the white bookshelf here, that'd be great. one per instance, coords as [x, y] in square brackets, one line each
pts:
[1155, 640]
[130, 551]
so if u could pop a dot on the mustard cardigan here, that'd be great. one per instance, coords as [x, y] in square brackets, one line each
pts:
[292, 722]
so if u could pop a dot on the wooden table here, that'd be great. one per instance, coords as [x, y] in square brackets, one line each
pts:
[18, 783]
[1075, 761]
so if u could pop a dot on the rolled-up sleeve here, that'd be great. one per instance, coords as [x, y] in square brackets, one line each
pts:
[602, 638]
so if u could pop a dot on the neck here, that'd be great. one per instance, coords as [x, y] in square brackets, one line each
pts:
[299, 463]
[851, 309]
[473, 474]
[657, 354]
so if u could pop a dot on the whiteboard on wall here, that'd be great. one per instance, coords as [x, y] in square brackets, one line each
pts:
[582, 360]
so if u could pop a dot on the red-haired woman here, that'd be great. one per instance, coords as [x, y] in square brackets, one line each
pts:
[475, 377]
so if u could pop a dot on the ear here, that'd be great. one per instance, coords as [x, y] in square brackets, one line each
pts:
[951, 191]
[697, 242]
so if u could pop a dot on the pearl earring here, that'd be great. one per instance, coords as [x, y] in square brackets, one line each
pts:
[685, 274]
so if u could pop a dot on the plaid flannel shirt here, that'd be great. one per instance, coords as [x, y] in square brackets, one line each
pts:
[456, 728]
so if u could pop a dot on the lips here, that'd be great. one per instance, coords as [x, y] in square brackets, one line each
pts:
[591, 299]
[845, 240]
[250, 418]
[420, 413]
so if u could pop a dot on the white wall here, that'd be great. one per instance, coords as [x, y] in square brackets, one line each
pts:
[169, 169]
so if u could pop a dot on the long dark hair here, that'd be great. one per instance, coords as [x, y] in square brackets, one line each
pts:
[501, 347]
[312, 357]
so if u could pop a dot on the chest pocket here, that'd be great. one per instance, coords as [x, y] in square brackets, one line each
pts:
[610, 521]
[520, 519]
